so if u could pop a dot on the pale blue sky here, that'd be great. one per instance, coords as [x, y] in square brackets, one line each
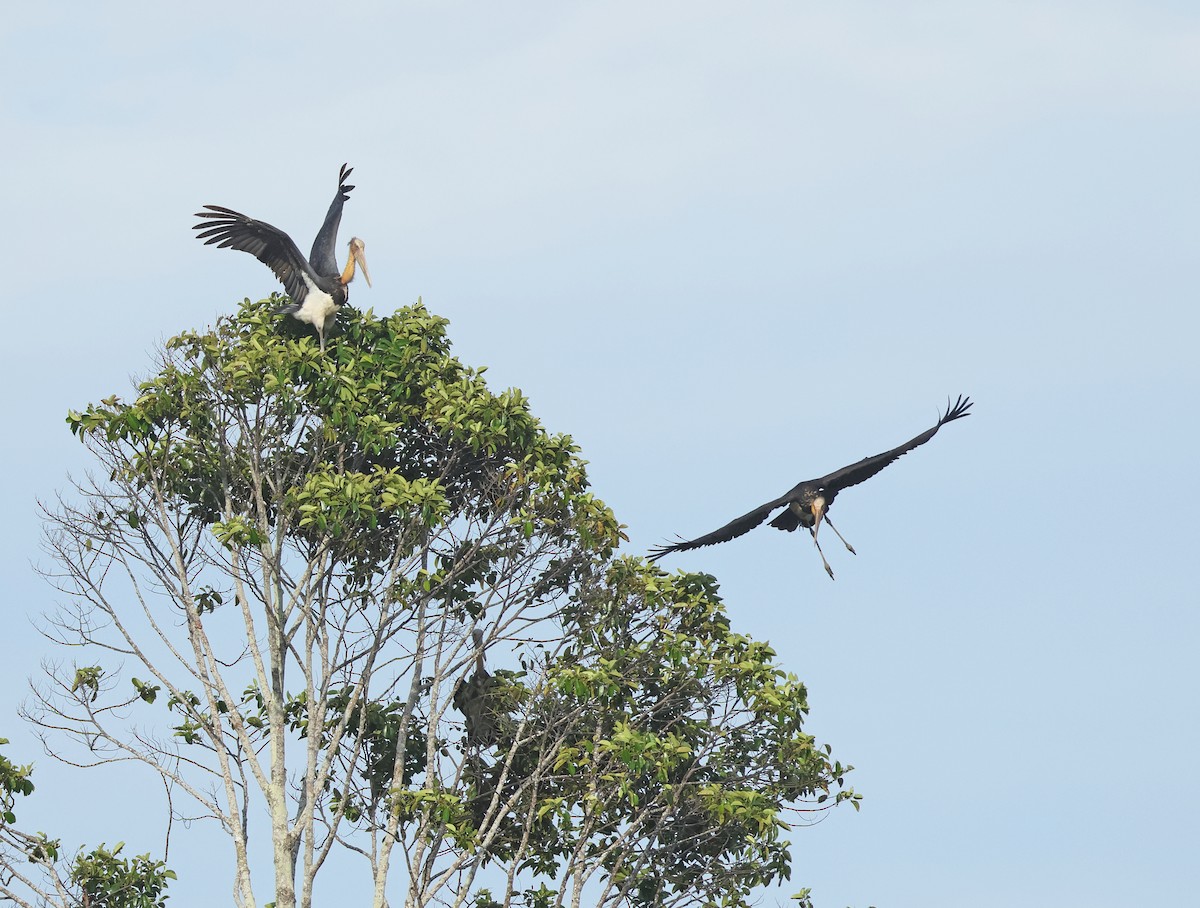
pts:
[727, 247]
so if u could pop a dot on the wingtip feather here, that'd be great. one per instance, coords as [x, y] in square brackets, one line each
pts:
[957, 410]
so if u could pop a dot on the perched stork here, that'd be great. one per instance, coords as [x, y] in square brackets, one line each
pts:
[808, 503]
[471, 698]
[317, 287]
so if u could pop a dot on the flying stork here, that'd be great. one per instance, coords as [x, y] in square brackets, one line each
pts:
[318, 288]
[808, 503]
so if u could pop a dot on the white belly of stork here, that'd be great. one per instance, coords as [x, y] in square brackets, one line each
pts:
[318, 307]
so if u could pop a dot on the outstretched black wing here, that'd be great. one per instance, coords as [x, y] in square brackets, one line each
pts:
[324, 250]
[731, 530]
[869, 466]
[270, 245]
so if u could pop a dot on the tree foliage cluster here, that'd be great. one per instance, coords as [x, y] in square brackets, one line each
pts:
[36, 872]
[367, 598]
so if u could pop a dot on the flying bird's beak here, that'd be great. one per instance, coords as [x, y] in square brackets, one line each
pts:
[357, 256]
[818, 511]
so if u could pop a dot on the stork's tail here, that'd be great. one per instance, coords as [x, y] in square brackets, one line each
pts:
[288, 309]
[786, 521]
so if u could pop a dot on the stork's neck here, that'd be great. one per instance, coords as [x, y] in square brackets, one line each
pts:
[348, 271]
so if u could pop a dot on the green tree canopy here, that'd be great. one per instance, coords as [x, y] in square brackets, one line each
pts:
[364, 591]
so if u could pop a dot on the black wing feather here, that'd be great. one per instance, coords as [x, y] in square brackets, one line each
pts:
[869, 466]
[731, 530]
[270, 245]
[324, 249]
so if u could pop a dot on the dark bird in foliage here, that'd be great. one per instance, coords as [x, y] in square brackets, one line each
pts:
[807, 504]
[317, 286]
[472, 698]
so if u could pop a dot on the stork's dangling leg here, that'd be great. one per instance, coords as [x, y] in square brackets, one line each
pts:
[840, 536]
[818, 512]
[828, 569]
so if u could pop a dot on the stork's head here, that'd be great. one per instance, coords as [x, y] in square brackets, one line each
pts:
[819, 506]
[357, 255]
